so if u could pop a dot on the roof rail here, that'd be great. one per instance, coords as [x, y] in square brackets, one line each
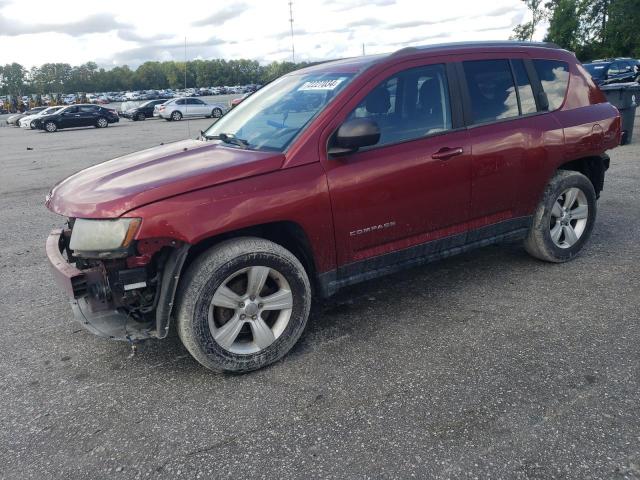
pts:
[476, 44]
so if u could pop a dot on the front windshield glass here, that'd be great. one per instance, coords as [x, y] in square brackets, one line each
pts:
[272, 117]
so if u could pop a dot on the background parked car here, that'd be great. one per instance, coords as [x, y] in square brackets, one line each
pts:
[14, 119]
[189, 107]
[617, 70]
[29, 121]
[85, 115]
[236, 101]
[142, 111]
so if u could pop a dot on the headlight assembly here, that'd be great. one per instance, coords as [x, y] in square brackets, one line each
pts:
[103, 235]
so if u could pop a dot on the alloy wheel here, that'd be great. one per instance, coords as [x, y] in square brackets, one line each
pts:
[569, 217]
[250, 309]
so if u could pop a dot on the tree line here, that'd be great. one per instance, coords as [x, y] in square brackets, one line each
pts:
[590, 28]
[88, 77]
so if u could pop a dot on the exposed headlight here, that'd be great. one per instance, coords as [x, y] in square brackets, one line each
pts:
[103, 235]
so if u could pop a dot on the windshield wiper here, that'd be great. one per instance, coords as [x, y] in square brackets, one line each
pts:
[229, 138]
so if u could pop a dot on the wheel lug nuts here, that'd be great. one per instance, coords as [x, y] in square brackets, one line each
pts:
[241, 304]
[252, 298]
[260, 305]
[253, 317]
[243, 316]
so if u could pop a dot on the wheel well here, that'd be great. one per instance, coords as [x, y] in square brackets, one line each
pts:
[591, 167]
[287, 234]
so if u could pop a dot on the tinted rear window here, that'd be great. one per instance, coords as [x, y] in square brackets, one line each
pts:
[554, 76]
[493, 93]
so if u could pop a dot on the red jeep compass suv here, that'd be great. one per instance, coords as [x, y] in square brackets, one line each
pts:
[329, 176]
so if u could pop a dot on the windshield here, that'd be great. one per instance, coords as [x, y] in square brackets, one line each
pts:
[272, 117]
[596, 70]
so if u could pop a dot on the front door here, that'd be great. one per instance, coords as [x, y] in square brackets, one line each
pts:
[414, 185]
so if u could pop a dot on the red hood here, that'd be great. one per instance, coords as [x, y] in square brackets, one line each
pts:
[112, 188]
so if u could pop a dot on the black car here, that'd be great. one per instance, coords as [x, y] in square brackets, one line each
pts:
[142, 111]
[616, 70]
[78, 116]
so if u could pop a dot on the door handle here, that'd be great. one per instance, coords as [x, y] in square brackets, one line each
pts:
[446, 153]
[76, 115]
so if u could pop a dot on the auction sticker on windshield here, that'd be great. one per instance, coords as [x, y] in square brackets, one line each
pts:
[321, 84]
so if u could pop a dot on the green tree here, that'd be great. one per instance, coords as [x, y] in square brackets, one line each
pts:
[13, 79]
[525, 31]
[622, 30]
[564, 24]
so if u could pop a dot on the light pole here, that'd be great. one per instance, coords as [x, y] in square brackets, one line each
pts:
[293, 50]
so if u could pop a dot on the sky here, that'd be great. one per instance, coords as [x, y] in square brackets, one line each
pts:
[119, 32]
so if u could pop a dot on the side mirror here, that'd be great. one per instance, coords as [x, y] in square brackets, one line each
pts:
[354, 134]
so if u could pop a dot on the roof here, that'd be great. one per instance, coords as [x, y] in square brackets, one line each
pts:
[357, 64]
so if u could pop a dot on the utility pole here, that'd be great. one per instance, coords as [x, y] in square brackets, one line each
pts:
[293, 49]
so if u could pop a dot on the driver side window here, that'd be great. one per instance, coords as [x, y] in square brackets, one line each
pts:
[409, 105]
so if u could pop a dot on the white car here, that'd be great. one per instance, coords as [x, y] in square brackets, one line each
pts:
[28, 121]
[179, 108]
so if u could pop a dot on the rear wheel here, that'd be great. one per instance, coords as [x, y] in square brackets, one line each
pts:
[564, 219]
[141, 116]
[243, 304]
[102, 122]
[176, 116]
[50, 127]
[216, 112]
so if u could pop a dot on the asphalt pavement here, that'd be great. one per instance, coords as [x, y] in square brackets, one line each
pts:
[487, 365]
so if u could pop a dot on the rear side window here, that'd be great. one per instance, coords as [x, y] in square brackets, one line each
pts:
[492, 91]
[554, 77]
[525, 92]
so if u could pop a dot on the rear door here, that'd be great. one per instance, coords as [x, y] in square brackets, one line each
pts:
[200, 108]
[500, 107]
[88, 115]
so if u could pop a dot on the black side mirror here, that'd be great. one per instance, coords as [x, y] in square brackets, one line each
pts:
[354, 134]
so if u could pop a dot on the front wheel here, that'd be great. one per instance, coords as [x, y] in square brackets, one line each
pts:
[141, 117]
[216, 112]
[176, 116]
[102, 123]
[564, 218]
[243, 304]
[50, 127]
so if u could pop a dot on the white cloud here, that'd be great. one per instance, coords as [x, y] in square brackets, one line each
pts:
[116, 32]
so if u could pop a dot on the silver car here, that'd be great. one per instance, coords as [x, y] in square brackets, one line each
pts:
[179, 108]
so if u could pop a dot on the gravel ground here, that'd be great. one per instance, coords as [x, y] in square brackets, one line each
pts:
[487, 365]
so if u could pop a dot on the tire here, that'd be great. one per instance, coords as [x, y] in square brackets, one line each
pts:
[32, 125]
[176, 116]
[141, 117]
[102, 122]
[205, 307]
[50, 127]
[568, 205]
[216, 112]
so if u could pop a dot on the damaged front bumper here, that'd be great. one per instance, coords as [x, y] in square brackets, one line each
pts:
[107, 308]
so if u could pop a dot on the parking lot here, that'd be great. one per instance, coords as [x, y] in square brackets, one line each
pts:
[487, 365]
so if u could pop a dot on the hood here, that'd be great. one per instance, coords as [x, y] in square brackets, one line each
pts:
[110, 189]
